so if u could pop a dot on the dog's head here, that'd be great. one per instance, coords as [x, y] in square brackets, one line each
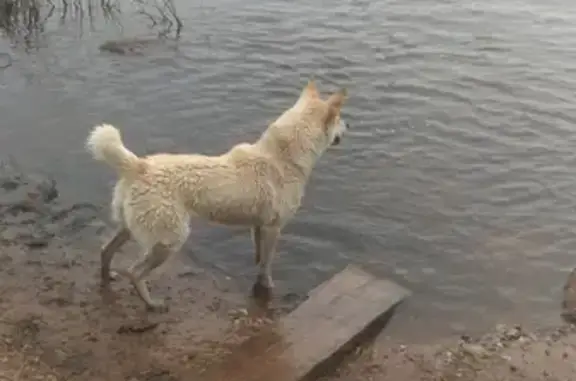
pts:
[323, 114]
[304, 131]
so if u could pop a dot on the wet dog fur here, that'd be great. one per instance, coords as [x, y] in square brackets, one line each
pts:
[258, 184]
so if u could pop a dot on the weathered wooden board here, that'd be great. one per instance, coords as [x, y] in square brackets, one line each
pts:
[569, 299]
[338, 314]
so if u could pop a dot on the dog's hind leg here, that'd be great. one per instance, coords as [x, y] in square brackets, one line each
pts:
[107, 254]
[140, 270]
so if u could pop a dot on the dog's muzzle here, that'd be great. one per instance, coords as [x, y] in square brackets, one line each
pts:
[336, 140]
[343, 127]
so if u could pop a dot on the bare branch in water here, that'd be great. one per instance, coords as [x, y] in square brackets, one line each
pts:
[23, 21]
[174, 14]
[161, 13]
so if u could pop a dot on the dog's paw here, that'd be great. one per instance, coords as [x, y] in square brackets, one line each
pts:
[157, 306]
[265, 281]
[106, 279]
[262, 291]
[105, 284]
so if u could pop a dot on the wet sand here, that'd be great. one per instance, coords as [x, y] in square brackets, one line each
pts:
[56, 323]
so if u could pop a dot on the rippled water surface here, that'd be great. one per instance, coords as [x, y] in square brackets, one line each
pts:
[457, 179]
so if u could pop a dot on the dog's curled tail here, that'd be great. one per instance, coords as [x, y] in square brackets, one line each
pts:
[105, 144]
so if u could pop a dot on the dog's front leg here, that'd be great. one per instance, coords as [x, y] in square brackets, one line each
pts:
[256, 238]
[267, 250]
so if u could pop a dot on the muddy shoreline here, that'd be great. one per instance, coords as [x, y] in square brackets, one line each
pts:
[56, 324]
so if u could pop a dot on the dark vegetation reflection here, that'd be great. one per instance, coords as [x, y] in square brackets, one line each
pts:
[24, 22]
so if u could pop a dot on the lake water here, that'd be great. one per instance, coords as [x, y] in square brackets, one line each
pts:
[456, 180]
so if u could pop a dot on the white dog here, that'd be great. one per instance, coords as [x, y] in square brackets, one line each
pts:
[258, 185]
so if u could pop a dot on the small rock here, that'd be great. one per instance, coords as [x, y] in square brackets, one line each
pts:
[60, 355]
[524, 340]
[449, 356]
[239, 313]
[513, 334]
[291, 297]
[501, 328]
[475, 350]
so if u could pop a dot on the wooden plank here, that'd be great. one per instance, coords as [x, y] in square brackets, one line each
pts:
[338, 314]
[569, 299]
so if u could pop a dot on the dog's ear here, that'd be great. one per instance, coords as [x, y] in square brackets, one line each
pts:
[335, 103]
[337, 99]
[310, 90]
